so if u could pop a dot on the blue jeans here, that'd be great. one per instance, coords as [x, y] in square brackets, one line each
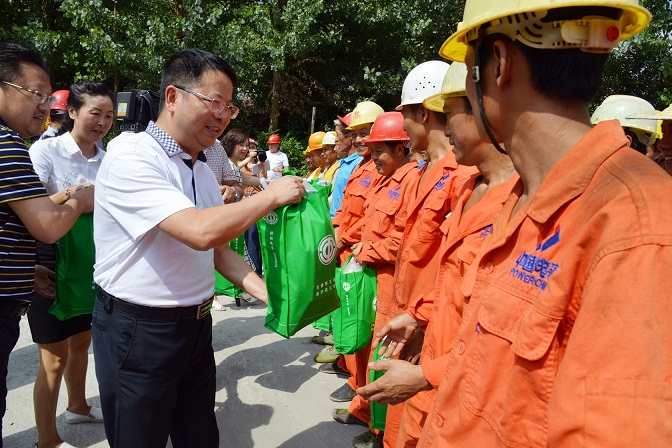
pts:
[254, 248]
[156, 379]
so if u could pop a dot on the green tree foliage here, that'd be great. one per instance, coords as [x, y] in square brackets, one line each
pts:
[291, 55]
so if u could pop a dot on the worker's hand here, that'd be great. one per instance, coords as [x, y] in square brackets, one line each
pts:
[401, 381]
[396, 332]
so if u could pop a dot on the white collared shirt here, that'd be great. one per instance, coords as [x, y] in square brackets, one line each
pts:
[139, 185]
[59, 162]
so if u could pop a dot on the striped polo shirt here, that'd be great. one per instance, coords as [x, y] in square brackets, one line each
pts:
[18, 181]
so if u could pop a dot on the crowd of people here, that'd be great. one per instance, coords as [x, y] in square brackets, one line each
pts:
[520, 246]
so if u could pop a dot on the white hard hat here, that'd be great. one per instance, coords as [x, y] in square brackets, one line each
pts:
[423, 81]
[329, 138]
[621, 108]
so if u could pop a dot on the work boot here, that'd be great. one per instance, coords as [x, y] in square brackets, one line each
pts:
[327, 355]
[368, 440]
[343, 394]
[333, 368]
[345, 417]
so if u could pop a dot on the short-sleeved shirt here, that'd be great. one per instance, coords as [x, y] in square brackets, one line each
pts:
[276, 160]
[144, 179]
[218, 162]
[18, 181]
[346, 166]
[59, 162]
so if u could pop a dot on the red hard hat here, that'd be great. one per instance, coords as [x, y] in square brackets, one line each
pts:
[345, 119]
[273, 138]
[61, 99]
[388, 127]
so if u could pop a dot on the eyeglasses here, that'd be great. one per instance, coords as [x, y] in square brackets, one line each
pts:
[40, 97]
[216, 106]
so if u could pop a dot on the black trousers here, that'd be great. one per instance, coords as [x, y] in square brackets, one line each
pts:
[156, 378]
[9, 334]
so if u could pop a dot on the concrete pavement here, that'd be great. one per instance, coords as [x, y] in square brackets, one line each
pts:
[270, 392]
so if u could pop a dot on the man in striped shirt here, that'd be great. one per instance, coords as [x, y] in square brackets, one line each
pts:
[26, 212]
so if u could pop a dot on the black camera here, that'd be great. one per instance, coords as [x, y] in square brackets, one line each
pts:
[135, 109]
[261, 155]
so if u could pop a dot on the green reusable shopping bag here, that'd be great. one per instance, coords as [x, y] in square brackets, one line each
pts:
[223, 287]
[75, 256]
[323, 323]
[299, 257]
[378, 411]
[353, 321]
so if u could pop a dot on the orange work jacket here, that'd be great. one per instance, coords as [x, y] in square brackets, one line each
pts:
[566, 334]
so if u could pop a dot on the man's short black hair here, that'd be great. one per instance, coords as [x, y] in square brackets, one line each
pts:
[187, 67]
[11, 58]
[566, 75]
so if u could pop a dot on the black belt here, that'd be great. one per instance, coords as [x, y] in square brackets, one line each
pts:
[12, 308]
[155, 313]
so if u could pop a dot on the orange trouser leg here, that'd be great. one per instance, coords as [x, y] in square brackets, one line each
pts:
[392, 424]
[413, 418]
[357, 366]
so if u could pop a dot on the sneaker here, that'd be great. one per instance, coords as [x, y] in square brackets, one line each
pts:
[343, 394]
[323, 340]
[327, 355]
[368, 440]
[248, 298]
[343, 416]
[333, 368]
[95, 416]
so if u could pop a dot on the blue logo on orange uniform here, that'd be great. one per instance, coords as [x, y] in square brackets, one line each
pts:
[440, 184]
[394, 194]
[533, 268]
[486, 231]
[366, 182]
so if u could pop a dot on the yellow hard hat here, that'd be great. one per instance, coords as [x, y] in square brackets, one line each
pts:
[526, 24]
[315, 141]
[623, 108]
[364, 115]
[454, 85]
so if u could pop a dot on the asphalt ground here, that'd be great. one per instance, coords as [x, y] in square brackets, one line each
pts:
[270, 392]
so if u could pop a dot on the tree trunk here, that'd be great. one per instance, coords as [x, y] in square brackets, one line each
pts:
[275, 102]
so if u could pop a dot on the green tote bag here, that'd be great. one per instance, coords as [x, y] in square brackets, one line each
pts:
[353, 321]
[299, 256]
[223, 287]
[75, 256]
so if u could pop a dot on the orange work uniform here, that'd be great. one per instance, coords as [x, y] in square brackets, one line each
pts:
[566, 334]
[384, 218]
[348, 220]
[462, 236]
[417, 264]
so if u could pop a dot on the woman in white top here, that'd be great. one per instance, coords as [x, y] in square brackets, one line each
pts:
[64, 164]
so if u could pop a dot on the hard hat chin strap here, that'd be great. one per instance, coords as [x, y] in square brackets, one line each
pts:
[476, 77]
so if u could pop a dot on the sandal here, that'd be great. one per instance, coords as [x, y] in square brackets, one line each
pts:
[218, 306]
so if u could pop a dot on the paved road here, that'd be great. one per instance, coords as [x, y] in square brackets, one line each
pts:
[270, 393]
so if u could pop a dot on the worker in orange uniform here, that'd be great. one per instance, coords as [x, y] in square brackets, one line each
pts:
[429, 200]
[347, 227]
[384, 218]
[476, 204]
[566, 334]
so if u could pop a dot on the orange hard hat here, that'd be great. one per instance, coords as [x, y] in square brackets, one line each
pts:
[345, 119]
[61, 99]
[315, 141]
[388, 127]
[273, 138]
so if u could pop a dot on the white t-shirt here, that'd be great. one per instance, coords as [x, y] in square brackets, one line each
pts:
[139, 185]
[59, 162]
[276, 160]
